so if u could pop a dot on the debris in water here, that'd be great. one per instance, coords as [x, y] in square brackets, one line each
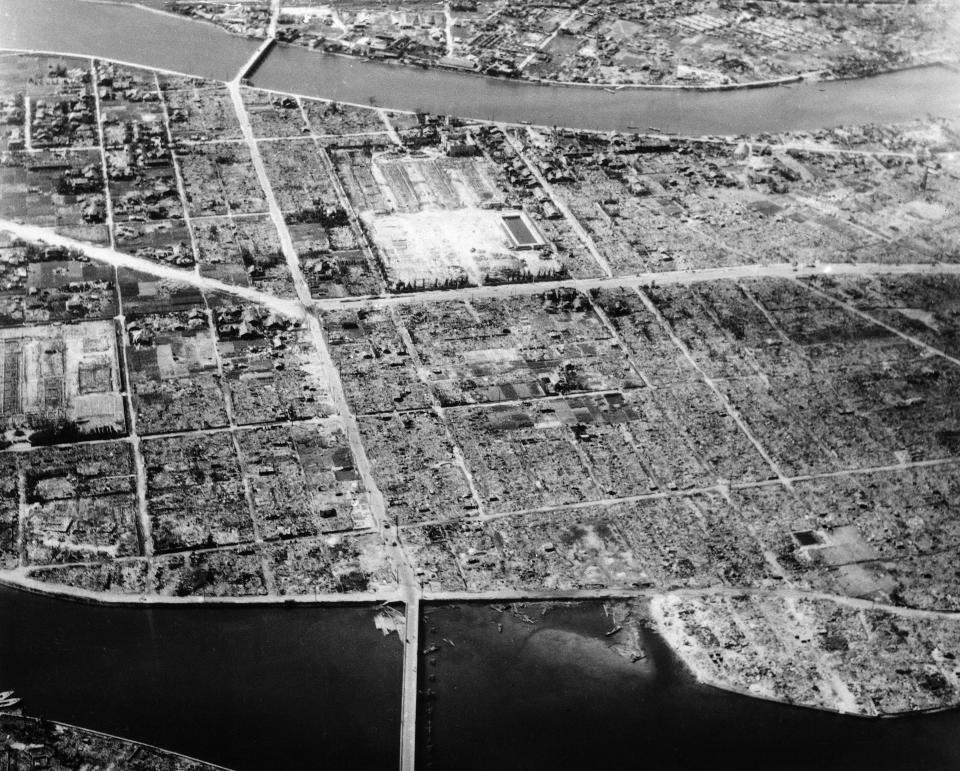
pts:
[389, 620]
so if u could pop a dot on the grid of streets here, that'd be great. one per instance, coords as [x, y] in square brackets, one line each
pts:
[259, 347]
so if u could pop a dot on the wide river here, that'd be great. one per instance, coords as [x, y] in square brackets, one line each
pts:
[553, 695]
[251, 688]
[138, 36]
[308, 687]
[300, 687]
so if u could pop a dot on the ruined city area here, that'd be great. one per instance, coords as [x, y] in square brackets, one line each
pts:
[852, 658]
[31, 743]
[694, 43]
[260, 348]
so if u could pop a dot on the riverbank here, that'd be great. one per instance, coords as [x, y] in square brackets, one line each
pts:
[545, 679]
[710, 49]
[33, 741]
[246, 688]
[16, 580]
[814, 653]
[202, 50]
[886, 98]
[208, 51]
[611, 86]
[833, 683]
[816, 76]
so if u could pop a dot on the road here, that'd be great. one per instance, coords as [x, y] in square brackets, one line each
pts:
[561, 205]
[448, 28]
[670, 277]
[295, 309]
[119, 259]
[408, 585]
[854, 310]
[711, 384]
[550, 38]
[305, 308]
[143, 523]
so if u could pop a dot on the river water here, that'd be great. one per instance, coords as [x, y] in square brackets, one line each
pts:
[252, 688]
[134, 35]
[308, 687]
[264, 688]
[552, 695]
[125, 33]
[893, 97]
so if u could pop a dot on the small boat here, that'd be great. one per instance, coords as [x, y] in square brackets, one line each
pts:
[613, 631]
[5, 695]
[655, 128]
[7, 703]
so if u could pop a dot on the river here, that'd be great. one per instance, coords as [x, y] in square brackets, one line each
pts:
[252, 688]
[310, 687]
[135, 35]
[305, 687]
[552, 695]
[125, 33]
[893, 97]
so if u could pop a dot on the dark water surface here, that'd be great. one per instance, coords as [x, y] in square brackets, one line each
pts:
[294, 687]
[319, 688]
[300, 687]
[138, 36]
[554, 696]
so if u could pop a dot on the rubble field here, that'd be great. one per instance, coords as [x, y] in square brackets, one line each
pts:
[477, 361]
[39, 743]
[706, 43]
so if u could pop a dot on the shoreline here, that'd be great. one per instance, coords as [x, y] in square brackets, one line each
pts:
[10, 580]
[170, 15]
[14, 580]
[114, 737]
[803, 77]
[11, 51]
[704, 678]
[814, 76]
[616, 87]
[121, 62]
[880, 716]
[650, 599]
[15, 51]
